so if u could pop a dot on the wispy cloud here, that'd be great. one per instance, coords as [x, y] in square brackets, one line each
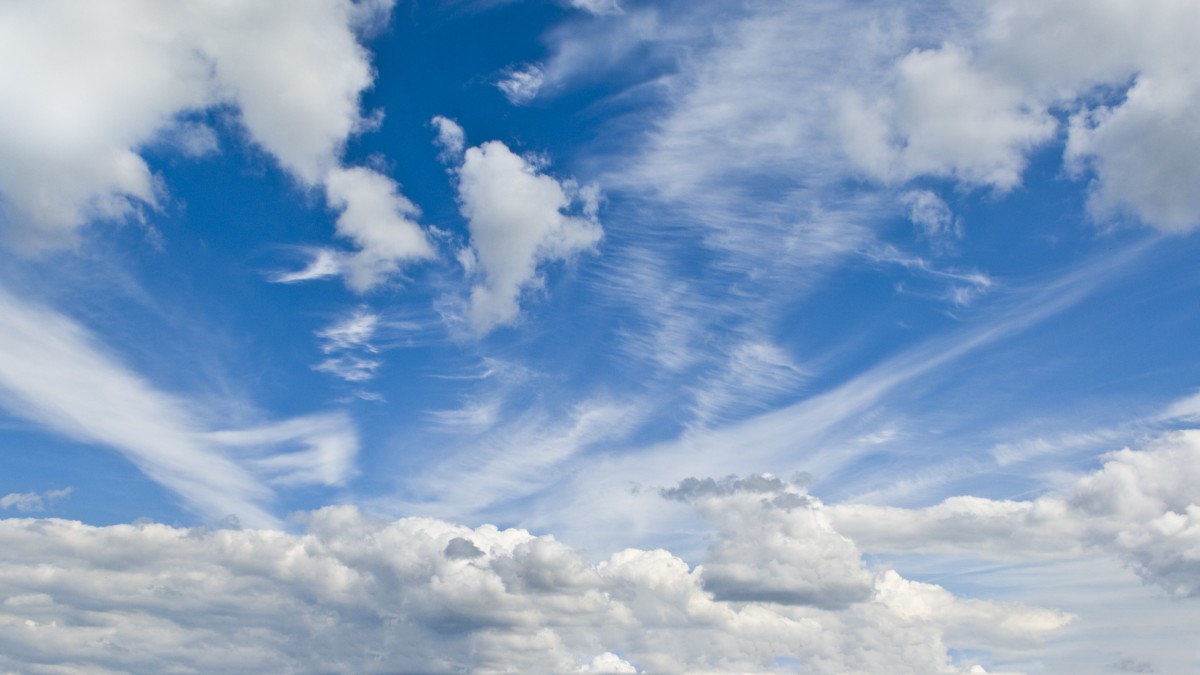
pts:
[30, 502]
[54, 372]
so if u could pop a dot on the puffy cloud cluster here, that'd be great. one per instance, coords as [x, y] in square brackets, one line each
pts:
[1143, 506]
[973, 108]
[88, 87]
[357, 594]
[518, 220]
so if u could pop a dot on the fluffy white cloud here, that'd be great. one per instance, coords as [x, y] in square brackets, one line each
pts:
[774, 544]
[357, 594]
[518, 221]
[87, 87]
[1143, 506]
[1143, 153]
[381, 223]
[947, 119]
[975, 107]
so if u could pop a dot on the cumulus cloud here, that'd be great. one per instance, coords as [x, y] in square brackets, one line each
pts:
[518, 220]
[974, 108]
[1142, 506]
[379, 221]
[88, 87]
[54, 372]
[357, 594]
[947, 119]
[775, 544]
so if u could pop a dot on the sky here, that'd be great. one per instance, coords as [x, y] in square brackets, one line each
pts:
[840, 336]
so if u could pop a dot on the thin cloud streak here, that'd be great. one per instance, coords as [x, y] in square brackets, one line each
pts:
[55, 373]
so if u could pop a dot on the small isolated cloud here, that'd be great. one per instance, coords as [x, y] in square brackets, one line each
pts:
[29, 502]
[518, 222]
[323, 263]
[355, 331]
[350, 368]
[193, 139]
[347, 343]
[521, 85]
[932, 217]
[379, 221]
[450, 138]
[356, 594]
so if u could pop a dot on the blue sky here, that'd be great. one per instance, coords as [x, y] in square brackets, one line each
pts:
[851, 324]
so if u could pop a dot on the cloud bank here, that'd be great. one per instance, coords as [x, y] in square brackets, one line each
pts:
[357, 594]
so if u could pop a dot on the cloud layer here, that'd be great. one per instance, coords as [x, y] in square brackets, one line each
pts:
[357, 594]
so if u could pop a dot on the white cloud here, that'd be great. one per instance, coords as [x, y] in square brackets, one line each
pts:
[327, 446]
[355, 331]
[55, 373]
[350, 368]
[294, 75]
[1142, 506]
[193, 139]
[521, 85]
[932, 217]
[519, 455]
[975, 107]
[357, 594]
[380, 222]
[27, 502]
[517, 220]
[1143, 153]
[947, 119]
[775, 544]
[755, 371]
[450, 137]
[348, 341]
